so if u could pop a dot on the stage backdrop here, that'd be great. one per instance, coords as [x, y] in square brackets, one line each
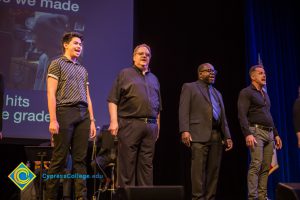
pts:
[30, 33]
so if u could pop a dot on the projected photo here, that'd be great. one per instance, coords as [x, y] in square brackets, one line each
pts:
[30, 34]
[32, 41]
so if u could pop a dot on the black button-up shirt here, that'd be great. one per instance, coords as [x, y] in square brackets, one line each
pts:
[135, 94]
[254, 108]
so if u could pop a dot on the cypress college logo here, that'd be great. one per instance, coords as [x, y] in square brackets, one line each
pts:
[22, 176]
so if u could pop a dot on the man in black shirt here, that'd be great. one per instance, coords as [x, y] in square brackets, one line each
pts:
[71, 114]
[296, 117]
[134, 106]
[259, 130]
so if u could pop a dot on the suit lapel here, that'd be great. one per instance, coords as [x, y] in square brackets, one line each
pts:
[203, 90]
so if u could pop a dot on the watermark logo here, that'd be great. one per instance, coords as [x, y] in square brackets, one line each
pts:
[22, 176]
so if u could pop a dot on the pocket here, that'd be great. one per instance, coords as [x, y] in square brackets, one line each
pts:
[195, 121]
[252, 130]
[271, 137]
[123, 123]
[63, 113]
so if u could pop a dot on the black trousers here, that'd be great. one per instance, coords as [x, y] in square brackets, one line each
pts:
[205, 167]
[136, 144]
[74, 126]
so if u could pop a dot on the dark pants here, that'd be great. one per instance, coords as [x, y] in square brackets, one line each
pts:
[206, 160]
[261, 158]
[136, 143]
[74, 126]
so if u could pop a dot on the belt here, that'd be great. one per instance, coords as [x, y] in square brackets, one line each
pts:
[76, 105]
[265, 128]
[147, 120]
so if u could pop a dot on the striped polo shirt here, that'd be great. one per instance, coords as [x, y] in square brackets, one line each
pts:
[72, 81]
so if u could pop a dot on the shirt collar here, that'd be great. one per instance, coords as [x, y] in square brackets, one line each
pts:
[68, 60]
[139, 70]
[254, 88]
[202, 83]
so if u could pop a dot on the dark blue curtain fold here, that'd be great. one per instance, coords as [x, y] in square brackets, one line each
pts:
[272, 31]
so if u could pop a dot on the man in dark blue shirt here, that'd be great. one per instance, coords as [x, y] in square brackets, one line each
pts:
[259, 130]
[134, 106]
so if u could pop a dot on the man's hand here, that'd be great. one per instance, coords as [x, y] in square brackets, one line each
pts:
[186, 138]
[250, 141]
[229, 144]
[53, 127]
[113, 128]
[92, 130]
[278, 143]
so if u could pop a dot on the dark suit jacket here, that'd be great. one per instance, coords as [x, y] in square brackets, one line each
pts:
[296, 113]
[195, 112]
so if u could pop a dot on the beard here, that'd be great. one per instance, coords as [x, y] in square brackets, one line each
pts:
[208, 80]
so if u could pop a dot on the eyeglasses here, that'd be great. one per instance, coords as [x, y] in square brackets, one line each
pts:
[143, 53]
[212, 71]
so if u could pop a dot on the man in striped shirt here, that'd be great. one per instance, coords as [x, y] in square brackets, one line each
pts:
[71, 114]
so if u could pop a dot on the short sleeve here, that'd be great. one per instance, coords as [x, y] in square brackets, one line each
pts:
[114, 95]
[54, 70]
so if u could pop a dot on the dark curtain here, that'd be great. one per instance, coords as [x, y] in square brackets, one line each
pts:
[272, 33]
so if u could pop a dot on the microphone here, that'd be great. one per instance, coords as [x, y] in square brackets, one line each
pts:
[115, 139]
[94, 143]
[114, 148]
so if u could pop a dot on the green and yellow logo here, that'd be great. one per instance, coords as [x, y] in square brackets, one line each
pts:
[22, 176]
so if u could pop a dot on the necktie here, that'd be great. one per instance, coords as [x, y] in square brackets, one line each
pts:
[215, 104]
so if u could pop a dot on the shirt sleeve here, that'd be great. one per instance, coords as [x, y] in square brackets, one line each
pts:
[114, 95]
[159, 95]
[243, 108]
[226, 133]
[184, 108]
[54, 70]
[275, 131]
[160, 102]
